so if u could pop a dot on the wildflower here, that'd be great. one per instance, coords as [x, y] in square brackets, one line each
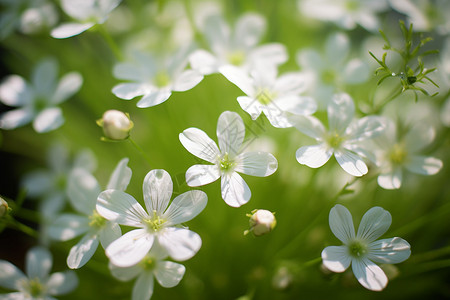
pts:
[3, 207]
[116, 125]
[341, 139]
[37, 101]
[228, 161]
[238, 48]
[154, 78]
[261, 222]
[83, 190]
[37, 283]
[86, 14]
[152, 266]
[159, 223]
[271, 95]
[363, 249]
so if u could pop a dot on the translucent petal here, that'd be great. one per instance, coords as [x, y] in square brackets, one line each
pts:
[199, 144]
[186, 80]
[369, 274]
[259, 163]
[375, 222]
[291, 83]
[67, 30]
[340, 112]
[250, 105]
[272, 53]
[85, 159]
[157, 189]
[423, 165]
[217, 33]
[308, 125]
[336, 258]
[154, 98]
[169, 274]
[341, 223]
[297, 105]
[44, 78]
[15, 118]
[10, 276]
[249, 29]
[203, 62]
[61, 283]
[126, 273]
[37, 182]
[351, 163]
[389, 251]
[356, 71]
[239, 78]
[235, 191]
[143, 287]
[109, 234]
[82, 252]
[67, 226]
[83, 190]
[230, 133]
[129, 91]
[14, 91]
[391, 180]
[38, 262]
[121, 176]
[49, 119]
[337, 48]
[180, 243]
[365, 128]
[419, 137]
[67, 86]
[198, 175]
[185, 207]
[131, 248]
[313, 156]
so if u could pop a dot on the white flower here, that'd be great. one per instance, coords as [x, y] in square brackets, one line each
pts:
[116, 125]
[334, 69]
[363, 249]
[275, 96]
[238, 47]
[261, 221]
[83, 190]
[37, 101]
[227, 161]
[341, 139]
[159, 223]
[152, 266]
[345, 13]
[87, 13]
[37, 284]
[3, 207]
[395, 153]
[154, 78]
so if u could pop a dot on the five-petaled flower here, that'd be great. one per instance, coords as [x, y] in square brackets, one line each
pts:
[226, 161]
[363, 249]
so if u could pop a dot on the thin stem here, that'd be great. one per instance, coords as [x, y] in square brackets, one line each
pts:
[112, 44]
[430, 255]
[139, 149]
[14, 224]
[312, 262]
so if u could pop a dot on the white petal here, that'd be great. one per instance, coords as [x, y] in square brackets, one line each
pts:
[374, 223]
[230, 133]
[187, 80]
[389, 251]
[119, 207]
[369, 275]
[351, 163]
[185, 207]
[128, 91]
[121, 176]
[19, 296]
[52, 204]
[154, 98]
[169, 274]
[10, 276]
[235, 190]
[297, 105]
[14, 91]
[85, 159]
[249, 30]
[199, 144]
[272, 53]
[61, 283]
[131, 248]
[82, 252]
[67, 30]
[203, 62]
[313, 156]
[259, 163]
[198, 175]
[125, 274]
[391, 180]
[143, 287]
[83, 190]
[180, 243]
[239, 78]
[276, 116]
[418, 137]
[44, 78]
[68, 226]
[341, 223]
[157, 189]
[356, 71]
[250, 105]
[217, 33]
[49, 119]
[37, 182]
[15, 118]
[423, 165]
[365, 128]
[308, 125]
[109, 234]
[340, 112]
[291, 83]
[68, 85]
[336, 258]
[310, 59]
[337, 48]
[38, 262]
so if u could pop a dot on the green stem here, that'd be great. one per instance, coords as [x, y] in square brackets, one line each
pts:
[430, 255]
[429, 266]
[14, 224]
[112, 44]
[312, 262]
[139, 149]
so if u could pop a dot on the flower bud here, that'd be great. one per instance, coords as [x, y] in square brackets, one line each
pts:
[116, 125]
[261, 222]
[3, 207]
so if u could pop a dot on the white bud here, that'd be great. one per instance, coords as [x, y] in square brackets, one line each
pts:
[116, 125]
[3, 207]
[261, 221]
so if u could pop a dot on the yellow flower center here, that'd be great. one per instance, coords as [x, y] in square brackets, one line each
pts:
[225, 163]
[162, 79]
[236, 57]
[357, 249]
[265, 96]
[398, 154]
[334, 140]
[96, 221]
[34, 287]
[155, 223]
[148, 263]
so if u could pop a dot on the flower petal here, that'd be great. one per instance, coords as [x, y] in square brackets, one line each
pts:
[365, 128]
[121, 176]
[67, 86]
[235, 191]
[259, 163]
[185, 207]
[82, 252]
[125, 274]
[391, 180]
[313, 156]
[180, 243]
[351, 163]
[82, 190]
[230, 133]
[67, 30]
[154, 98]
[109, 234]
[337, 48]
[336, 258]
[169, 274]
[374, 223]
[198, 175]
[157, 189]
[249, 29]
[61, 283]
[203, 62]
[130, 248]
[10, 276]
[67, 226]
[198, 143]
[419, 136]
[187, 80]
[15, 118]
[143, 287]
[423, 165]
[340, 112]
[272, 53]
[14, 91]
[341, 223]
[308, 125]
[239, 78]
[49, 119]
[38, 262]
[297, 105]
[119, 207]
[389, 251]
[44, 78]
[130, 90]
[356, 71]
[369, 274]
